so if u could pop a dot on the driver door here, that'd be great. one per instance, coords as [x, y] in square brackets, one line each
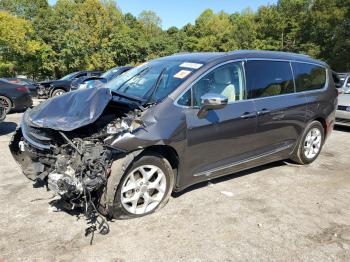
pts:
[225, 137]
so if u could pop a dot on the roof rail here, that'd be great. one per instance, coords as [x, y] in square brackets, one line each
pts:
[267, 51]
[180, 53]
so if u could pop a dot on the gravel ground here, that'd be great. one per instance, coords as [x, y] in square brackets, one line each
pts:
[278, 212]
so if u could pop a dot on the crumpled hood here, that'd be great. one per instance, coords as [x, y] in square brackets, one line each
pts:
[70, 111]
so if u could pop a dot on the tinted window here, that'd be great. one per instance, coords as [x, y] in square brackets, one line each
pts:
[226, 80]
[308, 77]
[268, 78]
[185, 100]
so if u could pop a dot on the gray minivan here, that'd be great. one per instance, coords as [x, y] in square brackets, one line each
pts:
[176, 121]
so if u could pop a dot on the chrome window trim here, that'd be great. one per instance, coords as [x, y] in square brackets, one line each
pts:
[204, 74]
[243, 60]
[291, 69]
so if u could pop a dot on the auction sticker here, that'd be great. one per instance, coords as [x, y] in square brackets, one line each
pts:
[182, 74]
[191, 65]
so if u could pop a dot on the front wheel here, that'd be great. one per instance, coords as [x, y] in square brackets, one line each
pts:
[145, 187]
[6, 103]
[58, 92]
[310, 144]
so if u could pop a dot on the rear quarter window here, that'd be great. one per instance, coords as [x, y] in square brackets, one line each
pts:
[308, 76]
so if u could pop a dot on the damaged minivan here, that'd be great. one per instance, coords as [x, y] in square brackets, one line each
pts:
[173, 122]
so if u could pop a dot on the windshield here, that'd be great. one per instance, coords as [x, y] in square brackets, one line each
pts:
[68, 77]
[154, 80]
[110, 73]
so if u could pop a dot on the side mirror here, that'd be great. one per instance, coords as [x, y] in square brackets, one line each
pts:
[211, 101]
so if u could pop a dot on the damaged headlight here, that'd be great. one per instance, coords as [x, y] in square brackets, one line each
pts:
[127, 124]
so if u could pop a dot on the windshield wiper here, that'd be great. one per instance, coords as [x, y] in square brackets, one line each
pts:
[155, 87]
[129, 97]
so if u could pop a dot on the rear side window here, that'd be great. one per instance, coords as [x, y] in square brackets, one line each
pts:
[268, 78]
[308, 76]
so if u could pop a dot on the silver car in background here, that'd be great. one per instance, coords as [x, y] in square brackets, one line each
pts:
[343, 111]
[344, 81]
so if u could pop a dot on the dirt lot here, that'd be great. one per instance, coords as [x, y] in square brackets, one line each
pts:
[276, 212]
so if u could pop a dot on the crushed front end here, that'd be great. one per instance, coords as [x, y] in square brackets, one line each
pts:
[75, 162]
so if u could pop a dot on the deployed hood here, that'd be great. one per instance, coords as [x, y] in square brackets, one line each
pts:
[70, 111]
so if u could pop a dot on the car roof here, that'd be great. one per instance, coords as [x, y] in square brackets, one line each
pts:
[200, 57]
[207, 57]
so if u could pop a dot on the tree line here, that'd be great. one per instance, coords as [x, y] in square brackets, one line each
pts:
[43, 41]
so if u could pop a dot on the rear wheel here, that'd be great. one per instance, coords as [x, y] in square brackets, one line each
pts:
[310, 144]
[6, 102]
[145, 187]
[58, 92]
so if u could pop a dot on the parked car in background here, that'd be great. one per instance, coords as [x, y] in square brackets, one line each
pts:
[174, 122]
[2, 112]
[342, 116]
[344, 81]
[91, 81]
[59, 87]
[32, 85]
[14, 96]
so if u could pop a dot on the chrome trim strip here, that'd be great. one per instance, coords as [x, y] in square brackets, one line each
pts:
[285, 60]
[208, 172]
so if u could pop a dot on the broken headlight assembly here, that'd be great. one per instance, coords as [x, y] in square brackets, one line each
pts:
[126, 124]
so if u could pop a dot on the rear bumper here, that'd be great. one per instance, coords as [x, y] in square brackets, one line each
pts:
[23, 101]
[33, 92]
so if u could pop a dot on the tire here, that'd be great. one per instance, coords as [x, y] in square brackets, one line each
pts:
[143, 189]
[6, 102]
[310, 144]
[58, 92]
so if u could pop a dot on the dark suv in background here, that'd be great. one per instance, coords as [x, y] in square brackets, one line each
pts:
[92, 81]
[59, 87]
[176, 121]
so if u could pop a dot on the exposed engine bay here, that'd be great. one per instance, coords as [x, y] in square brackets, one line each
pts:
[75, 164]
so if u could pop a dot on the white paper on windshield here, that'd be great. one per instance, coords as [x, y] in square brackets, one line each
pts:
[182, 74]
[191, 65]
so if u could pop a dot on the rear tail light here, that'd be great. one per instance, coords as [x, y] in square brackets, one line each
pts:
[338, 91]
[22, 89]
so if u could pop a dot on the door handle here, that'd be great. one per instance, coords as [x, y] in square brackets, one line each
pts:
[248, 115]
[264, 111]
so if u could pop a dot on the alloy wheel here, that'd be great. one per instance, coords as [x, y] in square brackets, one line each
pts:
[6, 103]
[143, 189]
[58, 93]
[312, 143]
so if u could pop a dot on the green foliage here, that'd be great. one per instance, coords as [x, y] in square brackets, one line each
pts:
[49, 41]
